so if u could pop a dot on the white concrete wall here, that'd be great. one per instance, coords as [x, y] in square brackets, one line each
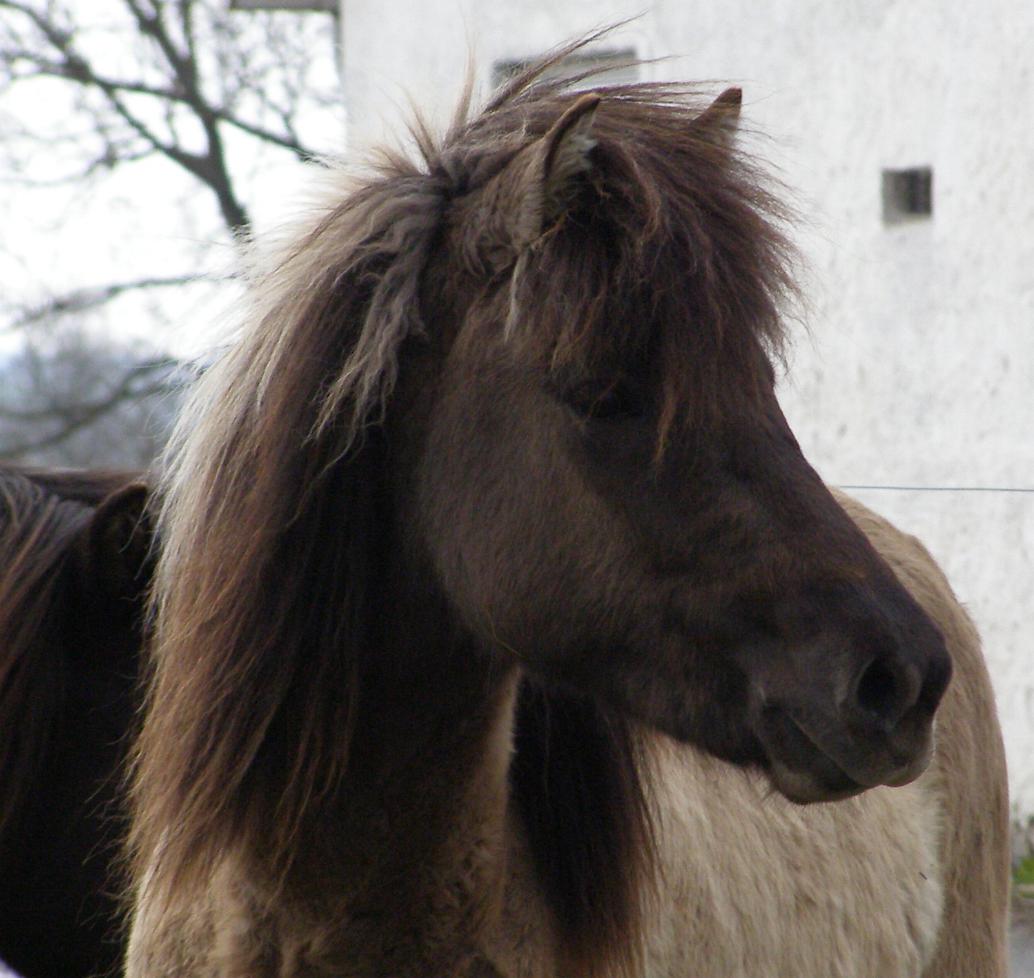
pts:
[919, 366]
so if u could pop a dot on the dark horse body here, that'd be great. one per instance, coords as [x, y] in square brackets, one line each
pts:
[71, 592]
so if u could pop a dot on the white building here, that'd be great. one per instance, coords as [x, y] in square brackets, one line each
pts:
[919, 367]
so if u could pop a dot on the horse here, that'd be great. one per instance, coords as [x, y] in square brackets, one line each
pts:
[73, 558]
[500, 624]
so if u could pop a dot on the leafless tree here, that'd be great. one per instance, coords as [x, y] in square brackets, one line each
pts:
[188, 88]
[68, 398]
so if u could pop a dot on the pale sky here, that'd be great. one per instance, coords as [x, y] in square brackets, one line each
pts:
[147, 219]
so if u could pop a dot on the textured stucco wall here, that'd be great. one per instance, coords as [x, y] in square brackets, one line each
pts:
[918, 364]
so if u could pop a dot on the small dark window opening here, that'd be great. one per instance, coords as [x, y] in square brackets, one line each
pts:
[907, 194]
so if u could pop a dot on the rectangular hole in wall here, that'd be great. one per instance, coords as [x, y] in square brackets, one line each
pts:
[907, 194]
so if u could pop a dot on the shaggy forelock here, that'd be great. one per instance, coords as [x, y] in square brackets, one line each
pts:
[676, 243]
[674, 250]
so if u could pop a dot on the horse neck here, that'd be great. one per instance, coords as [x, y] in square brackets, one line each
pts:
[412, 858]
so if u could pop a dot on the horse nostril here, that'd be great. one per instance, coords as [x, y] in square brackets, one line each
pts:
[880, 692]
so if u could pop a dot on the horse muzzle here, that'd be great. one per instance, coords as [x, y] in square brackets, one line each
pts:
[878, 731]
[806, 767]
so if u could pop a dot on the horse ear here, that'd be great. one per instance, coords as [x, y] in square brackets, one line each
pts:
[532, 191]
[719, 122]
[115, 546]
[557, 163]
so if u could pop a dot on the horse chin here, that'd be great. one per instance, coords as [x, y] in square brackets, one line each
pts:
[801, 770]
[804, 774]
[809, 787]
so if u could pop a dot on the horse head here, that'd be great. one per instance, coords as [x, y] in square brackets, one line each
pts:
[610, 493]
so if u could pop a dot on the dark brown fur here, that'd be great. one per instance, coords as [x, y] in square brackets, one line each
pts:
[42, 515]
[577, 779]
[70, 607]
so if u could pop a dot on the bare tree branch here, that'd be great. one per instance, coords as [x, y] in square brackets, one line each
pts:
[83, 300]
[79, 413]
[115, 389]
[57, 55]
[214, 95]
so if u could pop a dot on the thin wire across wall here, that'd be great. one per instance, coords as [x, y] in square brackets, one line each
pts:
[1010, 489]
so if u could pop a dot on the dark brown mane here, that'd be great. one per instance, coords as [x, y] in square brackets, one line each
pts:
[578, 787]
[680, 232]
[90, 487]
[41, 513]
[71, 576]
[286, 428]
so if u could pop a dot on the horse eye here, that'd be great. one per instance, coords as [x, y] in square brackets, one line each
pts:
[604, 402]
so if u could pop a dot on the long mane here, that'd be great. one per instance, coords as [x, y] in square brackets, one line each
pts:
[259, 625]
[41, 514]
